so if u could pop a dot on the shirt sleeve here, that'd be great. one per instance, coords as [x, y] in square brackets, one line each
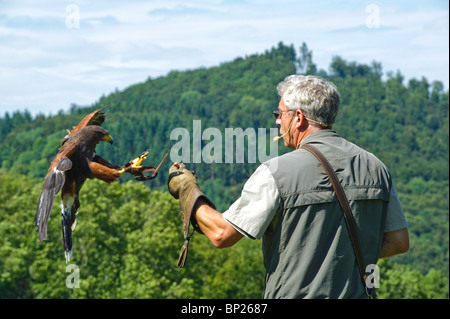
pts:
[252, 213]
[395, 217]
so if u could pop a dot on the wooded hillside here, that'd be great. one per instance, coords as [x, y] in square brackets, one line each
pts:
[128, 235]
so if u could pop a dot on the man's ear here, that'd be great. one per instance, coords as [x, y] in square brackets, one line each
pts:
[300, 119]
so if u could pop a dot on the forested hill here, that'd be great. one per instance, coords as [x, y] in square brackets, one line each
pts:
[404, 122]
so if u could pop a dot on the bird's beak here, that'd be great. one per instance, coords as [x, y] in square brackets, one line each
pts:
[108, 139]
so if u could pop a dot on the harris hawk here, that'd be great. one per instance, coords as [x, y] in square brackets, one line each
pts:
[75, 162]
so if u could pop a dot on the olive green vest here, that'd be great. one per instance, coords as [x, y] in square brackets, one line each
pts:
[307, 249]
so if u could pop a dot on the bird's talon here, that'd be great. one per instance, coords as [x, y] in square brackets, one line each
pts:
[136, 163]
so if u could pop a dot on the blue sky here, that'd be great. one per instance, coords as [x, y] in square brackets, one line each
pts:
[54, 53]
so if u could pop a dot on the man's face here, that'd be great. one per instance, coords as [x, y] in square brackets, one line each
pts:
[284, 121]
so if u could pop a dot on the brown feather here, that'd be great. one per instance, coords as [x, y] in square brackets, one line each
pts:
[95, 118]
[103, 173]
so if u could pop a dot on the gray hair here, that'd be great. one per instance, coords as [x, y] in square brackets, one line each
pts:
[316, 97]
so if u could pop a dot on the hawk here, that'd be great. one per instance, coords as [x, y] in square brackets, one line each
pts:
[75, 162]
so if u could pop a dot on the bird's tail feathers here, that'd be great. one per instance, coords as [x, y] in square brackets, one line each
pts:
[67, 235]
[68, 255]
[43, 213]
[53, 183]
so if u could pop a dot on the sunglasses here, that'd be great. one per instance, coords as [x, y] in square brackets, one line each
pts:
[278, 113]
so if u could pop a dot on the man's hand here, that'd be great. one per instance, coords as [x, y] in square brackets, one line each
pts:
[181, 181]
[183, 186]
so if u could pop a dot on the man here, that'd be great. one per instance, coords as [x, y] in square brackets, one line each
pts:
[290, 204]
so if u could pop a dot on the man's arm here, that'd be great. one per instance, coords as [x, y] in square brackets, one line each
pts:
[394, 243]
[214, 226]
[256, 207]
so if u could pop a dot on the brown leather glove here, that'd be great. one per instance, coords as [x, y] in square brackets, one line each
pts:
[183, 186]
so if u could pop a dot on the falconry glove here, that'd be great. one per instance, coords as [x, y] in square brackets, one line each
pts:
[183, 186]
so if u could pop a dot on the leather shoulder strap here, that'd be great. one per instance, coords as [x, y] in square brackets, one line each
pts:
[348, 215]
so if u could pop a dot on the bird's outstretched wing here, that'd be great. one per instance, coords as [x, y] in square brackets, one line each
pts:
[53, 183]
[95, 118]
